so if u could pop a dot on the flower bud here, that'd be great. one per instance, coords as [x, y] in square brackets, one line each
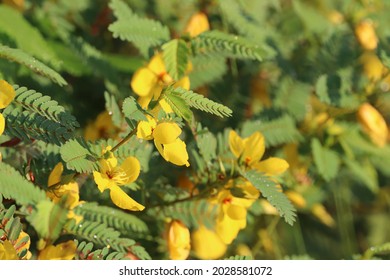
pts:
[366, 35]
[373, 124]
[197, 24]
[178, 241]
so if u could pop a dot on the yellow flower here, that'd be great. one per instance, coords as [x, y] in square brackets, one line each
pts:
[178, 241]
[197, 24]
[166, 139]
[102, 127]
[149, 81]
[9, 250]
[365, 34]
[57, 191]
[206, 244]
[373, 124]
[233, 210]
[62, 251]
[7, 94]
[250, 150]
[111, 176]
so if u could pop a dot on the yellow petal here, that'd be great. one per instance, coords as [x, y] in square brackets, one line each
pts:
[183, 82]
[7, 251]
[165, 106]
[365, 33]
[175, 152]
[236, 212]
[145, 129]
[55, 175]
[236, 144]
[132, 168]
[166, 132]
[178, 241]
[102, 181]
[254, 148]
[197, 24]
[206, 244]
[7, 94]
[62, 251]
[373, 124]
[2, 124]
[143, 82]
[227, 228]
[156, 65]
[272, 166]
[123, 200]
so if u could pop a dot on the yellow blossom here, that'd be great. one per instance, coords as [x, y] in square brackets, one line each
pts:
[365, 34]
[249, 151]
[111, 176]
[319, 211]
[62, 251]
[166, 139]
[232, 209]
[102, 127]
[206, 244]
[178, 241]
[7, 94]
[57, 191]
[373, 124]
[197, 24]
[148, 82]
[7, 251]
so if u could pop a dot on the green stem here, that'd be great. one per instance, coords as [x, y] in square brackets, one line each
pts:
[124, 140]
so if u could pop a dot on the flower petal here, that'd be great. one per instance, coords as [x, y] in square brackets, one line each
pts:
[143, 82]
[254, 148]
[165, 106]
[236, 212]
[62, 251]
[55, 175]
[227, 228]
[2, 124]
[7, 94]
[145, 129]
[123, 200]
[236, 144]
[178, 241]
[132, 168]
[175, 152]
[183, 82]
[102, 181]
[206, 244]
[166, 132]
[156, 65]
[272, 166]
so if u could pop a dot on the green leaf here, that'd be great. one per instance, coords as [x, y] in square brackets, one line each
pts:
[177, 103]
[114, 218]
[217, 42]
[78, 156]
[27, 37]
[274, 196]
[365, 173]
[113, 109]
[276, 132]
[175, 57]
[142, 32]
[133, 112]
[207, 69]
[33, 64]
[15, 186]
[326, 160]
[48, 219]
[200, 102]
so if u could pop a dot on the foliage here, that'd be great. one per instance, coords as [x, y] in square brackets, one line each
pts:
[200, 113]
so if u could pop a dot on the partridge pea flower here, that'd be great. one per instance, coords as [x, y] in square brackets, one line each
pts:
[62, 251]
[373, 123]
[149, 81]
[206, 244]
[166, 139]
[111, 176]
[249, 152]
[57, 191]
[178, 241]
[7, 94]
[197, 24]
[232, 209]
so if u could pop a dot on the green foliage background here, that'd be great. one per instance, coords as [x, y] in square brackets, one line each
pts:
[271, 66]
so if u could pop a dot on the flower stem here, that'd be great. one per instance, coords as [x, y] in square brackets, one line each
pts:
[124, 140]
